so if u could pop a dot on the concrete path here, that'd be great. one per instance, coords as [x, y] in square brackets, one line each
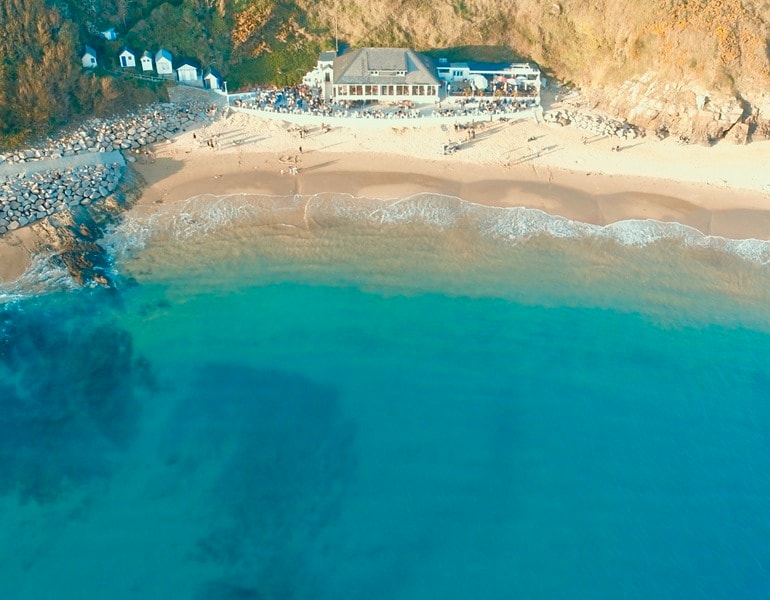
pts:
[60, 164]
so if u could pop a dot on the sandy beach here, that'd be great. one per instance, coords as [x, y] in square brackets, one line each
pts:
[722, 190]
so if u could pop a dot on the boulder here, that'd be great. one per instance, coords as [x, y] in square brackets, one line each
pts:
[740, 133]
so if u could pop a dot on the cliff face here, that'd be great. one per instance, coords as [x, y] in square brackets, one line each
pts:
[720, 43]
[696, 68]
[648, 61]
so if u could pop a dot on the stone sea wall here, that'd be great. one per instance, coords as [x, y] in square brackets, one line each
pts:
[84, 165]
[27, 198]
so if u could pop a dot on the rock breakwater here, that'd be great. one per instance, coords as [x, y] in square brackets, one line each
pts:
[30, 197]
[39, 181]
[69, 188]
[155, 123]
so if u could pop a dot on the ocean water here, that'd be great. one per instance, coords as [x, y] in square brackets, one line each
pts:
[337, 397]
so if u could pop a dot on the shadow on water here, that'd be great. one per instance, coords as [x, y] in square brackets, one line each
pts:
[68, 396]
[284, 457]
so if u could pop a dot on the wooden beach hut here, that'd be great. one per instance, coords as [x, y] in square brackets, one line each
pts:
[146, 61]
[88, 58]
[127, 58]
[164, 64]
[212, 80]
[187, 70]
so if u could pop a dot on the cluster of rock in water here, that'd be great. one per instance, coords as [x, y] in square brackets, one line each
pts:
[27, 197]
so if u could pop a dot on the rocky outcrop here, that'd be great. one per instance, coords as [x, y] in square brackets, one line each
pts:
[759, 120]
[594, 123]
[676, 108]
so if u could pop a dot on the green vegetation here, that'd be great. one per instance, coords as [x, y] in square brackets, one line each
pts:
[42, 84]
[718, 44]
[282, 66]
[475, 53]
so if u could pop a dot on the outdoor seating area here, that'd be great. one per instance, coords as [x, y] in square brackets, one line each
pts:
[304, 100]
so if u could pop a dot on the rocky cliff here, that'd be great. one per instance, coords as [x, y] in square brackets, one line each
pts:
[697, 68]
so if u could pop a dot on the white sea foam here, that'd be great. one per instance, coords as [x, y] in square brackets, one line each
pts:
[44, 275]
[206, 214]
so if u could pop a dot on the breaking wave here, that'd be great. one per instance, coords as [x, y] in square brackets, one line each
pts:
[44, 275]
[207, 214]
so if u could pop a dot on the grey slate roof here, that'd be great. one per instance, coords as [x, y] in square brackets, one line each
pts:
[355, 67]
[327, 56]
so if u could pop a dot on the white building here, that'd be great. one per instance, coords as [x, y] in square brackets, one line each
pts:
[212, 80]
[323, 72]
[89, 58]
[127, 58]
[187, 71]
[384, 74]
[518, 79]
[110, 34]
[163, 62]
[146, 61]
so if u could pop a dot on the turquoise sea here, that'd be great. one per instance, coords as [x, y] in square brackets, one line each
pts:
[333, 397]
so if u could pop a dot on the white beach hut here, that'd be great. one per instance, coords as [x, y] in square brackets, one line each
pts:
[146, 61]
[127, 58]
[163, 62]
[212, 80]
[187, 71]
[89, 58]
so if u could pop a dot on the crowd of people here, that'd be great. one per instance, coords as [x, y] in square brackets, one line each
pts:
[486, 107]
[305, 100]
[293, 99]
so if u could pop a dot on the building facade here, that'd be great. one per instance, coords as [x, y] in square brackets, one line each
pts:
[127, 58]
[212, 80]
[384, 74]
[323, 72]
[186, 71]
[163, 62]
[516, 79]
[88, 59]
[146, 61]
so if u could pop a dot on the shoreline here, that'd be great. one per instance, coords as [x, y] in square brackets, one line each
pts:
[720, 191]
